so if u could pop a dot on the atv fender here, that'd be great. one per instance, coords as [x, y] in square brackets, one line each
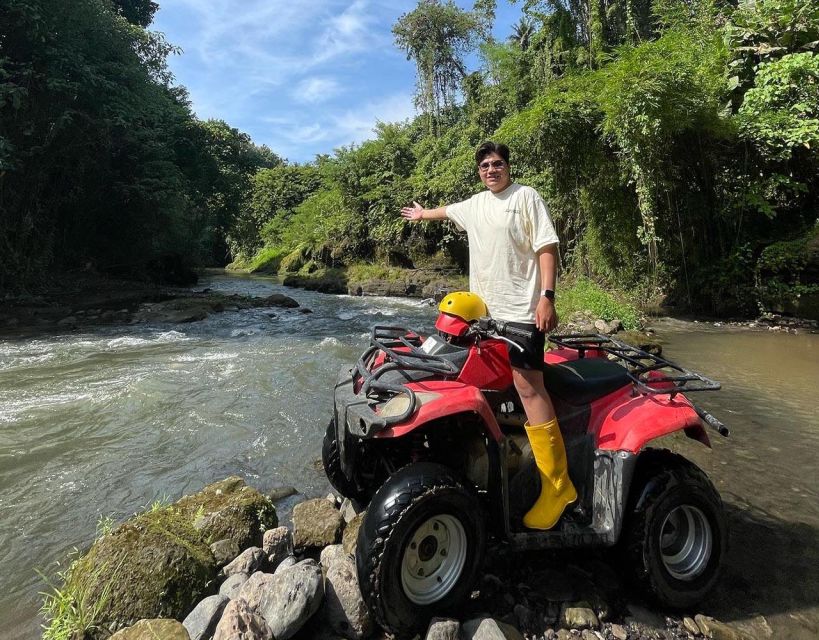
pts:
[630, 425]
[441, 399]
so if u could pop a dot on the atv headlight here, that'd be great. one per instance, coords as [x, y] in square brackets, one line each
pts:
[398, 405]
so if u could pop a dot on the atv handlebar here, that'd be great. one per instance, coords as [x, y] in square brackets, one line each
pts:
[502, 329]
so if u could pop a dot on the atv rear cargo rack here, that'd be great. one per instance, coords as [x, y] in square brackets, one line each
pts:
[650, 372]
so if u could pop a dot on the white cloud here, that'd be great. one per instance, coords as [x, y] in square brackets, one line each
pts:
[303, 76]
[357, 124]
[315, 90]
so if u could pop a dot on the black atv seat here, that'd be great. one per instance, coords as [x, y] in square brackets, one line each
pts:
[585, 380]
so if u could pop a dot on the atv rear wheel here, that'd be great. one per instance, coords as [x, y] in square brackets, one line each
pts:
[420, 547]
[674, 534]
[332, 466]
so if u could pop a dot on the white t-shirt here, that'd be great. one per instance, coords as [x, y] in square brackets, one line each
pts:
[505, 230]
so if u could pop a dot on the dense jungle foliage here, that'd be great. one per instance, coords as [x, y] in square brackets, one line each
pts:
[675, 140]
[102, 164]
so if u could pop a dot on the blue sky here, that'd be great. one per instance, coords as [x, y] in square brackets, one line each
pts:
[301, 76]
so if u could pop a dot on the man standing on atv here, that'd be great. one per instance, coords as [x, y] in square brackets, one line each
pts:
[513, 267]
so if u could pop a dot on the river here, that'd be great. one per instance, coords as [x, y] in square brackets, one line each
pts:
[100, 424]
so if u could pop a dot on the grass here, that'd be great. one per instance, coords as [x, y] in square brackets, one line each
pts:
[105, 525]
[583, 295]
[70, 611]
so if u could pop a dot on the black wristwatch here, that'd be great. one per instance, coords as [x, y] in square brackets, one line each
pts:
[548, 293]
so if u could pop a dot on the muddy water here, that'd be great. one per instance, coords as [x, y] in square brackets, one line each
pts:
[99, 424]
[767, 470]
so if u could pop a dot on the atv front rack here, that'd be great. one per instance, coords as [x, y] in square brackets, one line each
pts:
[410, 358]
[650, 372]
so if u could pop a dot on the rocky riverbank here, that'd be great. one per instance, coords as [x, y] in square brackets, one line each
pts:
[216, 565]
[88, 302]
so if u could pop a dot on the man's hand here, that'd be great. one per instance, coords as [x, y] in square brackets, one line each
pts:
[545, 315]
[414, 213]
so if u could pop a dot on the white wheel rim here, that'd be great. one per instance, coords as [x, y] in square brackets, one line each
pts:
[433, 559]
[686, 542]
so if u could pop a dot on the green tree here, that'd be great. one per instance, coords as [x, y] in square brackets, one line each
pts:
[138, 12]
[437, 36]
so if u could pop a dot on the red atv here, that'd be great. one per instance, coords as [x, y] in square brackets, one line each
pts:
[430, 433]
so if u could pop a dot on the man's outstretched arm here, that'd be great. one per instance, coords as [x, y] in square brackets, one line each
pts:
[417, 212]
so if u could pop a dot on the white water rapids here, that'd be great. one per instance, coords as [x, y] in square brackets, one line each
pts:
[100, 423]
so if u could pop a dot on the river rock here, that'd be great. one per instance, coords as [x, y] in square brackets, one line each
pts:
[277, 545]
[289, 561]
[253, 590]
[152, 629]
[716, 629]
[348, 510]
[280, 300]
[224, 551]
[443, 629]
[238, 622]
[489, 629]
[331, 554]
[292, 597]
[578, 616]
[280, 493]
[316, 523]
[179, 310]
[233, 585]
[249, 561]
[230, 509]
[618, 632]
[691, 626]
[756, 627]
[152, 566]
[201, 622]
[350, 535]
[343, 605]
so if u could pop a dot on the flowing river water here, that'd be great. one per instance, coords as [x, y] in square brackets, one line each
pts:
[101, 423]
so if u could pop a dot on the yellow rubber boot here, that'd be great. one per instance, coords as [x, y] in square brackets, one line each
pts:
[556, 489]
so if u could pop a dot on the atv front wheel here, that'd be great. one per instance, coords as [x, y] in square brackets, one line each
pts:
[332, 466]
[420, 547]
[675, 534]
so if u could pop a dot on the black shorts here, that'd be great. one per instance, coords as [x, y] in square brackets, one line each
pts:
[532, 355]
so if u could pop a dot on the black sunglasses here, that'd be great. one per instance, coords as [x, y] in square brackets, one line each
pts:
[495, 164]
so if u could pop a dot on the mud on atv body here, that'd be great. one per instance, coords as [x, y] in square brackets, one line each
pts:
[429, 433]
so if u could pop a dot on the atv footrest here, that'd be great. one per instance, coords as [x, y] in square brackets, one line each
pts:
[564, 535]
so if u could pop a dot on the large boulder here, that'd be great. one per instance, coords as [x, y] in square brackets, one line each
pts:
[344, 607]
[233, 585]
[349, 538]
[153, 629]
[231, 510]
[254, 589]
[316, 524]
[489, 629]
[201, 622]
[291, 598]
[155, 565]
[280, 300]
[249, 561]
[277, 545]
[238, 622]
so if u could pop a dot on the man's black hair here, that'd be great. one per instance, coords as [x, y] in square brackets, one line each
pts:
[488, 148]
